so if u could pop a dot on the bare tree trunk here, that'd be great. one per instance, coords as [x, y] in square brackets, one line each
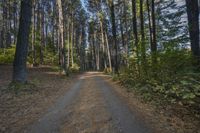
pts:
[94, 50]
[68, 46]
[33, 35]
[149, 19]
[72, 42]
[134, 22]
[143, 47]
[108, 51]
[103, 42]
[19, 65]
[61, 38]
[112, 9]
[193, 22]
[154, 42]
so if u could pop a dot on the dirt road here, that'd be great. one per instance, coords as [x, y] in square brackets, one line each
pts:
[90, 106]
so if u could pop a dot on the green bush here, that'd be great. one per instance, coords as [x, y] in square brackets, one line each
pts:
[75, 68]
[7, 55]
[173, 77]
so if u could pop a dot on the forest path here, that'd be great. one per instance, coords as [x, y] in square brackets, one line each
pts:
[90, 106]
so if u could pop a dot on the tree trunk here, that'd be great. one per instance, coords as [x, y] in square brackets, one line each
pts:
[193, 23]
[33, 34]
[134, 22]
[154, 42]
[19, 65]
[61, 38]
[103, 42]
[149, 19]
[143, 47]
[126, 35]
[112, 9]
[72, 42]
[68, 46]
[108, 50]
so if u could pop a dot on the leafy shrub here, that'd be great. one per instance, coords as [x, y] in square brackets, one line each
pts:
[107, 70]
[7, 55]
[173, 77]
[75, 68]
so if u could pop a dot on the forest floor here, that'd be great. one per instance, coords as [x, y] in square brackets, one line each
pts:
[84, 103]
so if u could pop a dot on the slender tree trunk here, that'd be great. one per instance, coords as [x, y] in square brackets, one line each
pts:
[126, 36]
[154, 42]
[94, 51]
[149, 19]
[193, 22]
[68, 46]
[112, 9]
[143, 47]
[61, 38]
[122, 34]
[19, 65]
[72, 42]
[15, 19]
[108, 51]
[33, 35]
[103, 43]
[134, 22]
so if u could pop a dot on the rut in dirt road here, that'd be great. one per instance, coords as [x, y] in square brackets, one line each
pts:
[89, 106]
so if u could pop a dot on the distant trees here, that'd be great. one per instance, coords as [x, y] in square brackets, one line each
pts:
[110, 35]
[9, 21]
[19, 65]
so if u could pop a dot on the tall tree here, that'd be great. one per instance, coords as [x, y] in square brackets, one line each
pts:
[61, 38]
[154, 42]
[193, 23]
[134, 19]
[112, 11]
[19, 65]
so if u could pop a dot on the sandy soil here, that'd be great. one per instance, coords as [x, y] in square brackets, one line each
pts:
[89, 113]
[86, 103]
[165, 119]
[17, 111]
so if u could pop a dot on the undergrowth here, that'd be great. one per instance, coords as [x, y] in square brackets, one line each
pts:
[172, 80]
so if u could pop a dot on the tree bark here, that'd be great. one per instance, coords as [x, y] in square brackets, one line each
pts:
[154, 42]
[193, 23]
[19, 65]
[61, 38]
[143, 47]
[112, 9]
[134, 22]
[108, 50]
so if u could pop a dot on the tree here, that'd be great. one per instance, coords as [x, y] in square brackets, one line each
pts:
[61, 38]
[112, 11]
[193, 23]
[134, 19]
[19, 65]
[154, 41]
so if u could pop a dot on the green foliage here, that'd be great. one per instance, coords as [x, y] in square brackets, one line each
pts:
[50, 58]
[107, 70]
[173, 78]
[75, 68]
[7, 55]
[49, 55]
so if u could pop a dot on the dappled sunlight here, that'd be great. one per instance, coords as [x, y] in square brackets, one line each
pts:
[93, 75]
[92, 54]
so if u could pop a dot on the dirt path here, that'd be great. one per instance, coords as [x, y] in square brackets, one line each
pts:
[89, 106]
[82, 103]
